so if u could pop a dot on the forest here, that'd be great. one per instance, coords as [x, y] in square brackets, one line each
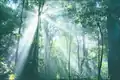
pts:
[59, 39]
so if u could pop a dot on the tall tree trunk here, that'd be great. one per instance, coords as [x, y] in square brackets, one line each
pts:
[78, 55]
[98, 55]
[69, 58]
[47, 51]
[113, 27]
[84, 61]
[30, 70]
[84, 53]
[101, 56]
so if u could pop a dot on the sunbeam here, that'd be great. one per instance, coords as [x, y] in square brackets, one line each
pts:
[25, 42]
[64, 25]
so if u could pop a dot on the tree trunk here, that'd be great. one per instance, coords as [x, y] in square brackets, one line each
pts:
[30, 70]
[100, 56]
[84, 53]
[114, 49]
[69, 58]
[113, 27]
[78, 55]
[47, 51]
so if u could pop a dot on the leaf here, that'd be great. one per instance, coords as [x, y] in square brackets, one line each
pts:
[69, 6]
[18, 35]
[12, 77]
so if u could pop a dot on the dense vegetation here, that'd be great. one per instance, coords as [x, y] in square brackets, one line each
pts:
[59, 40]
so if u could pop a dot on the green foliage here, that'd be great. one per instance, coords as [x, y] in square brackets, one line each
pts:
[54, 51]
[2, 58]
[57, 76]
[9, 23]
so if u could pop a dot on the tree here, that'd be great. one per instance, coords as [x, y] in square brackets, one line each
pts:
[30, 69]
[114, 39]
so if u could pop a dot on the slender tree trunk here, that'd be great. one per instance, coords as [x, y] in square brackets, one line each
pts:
[69, 45]
[98, 55]
[101, 56]
[84, 53]
[78, 55]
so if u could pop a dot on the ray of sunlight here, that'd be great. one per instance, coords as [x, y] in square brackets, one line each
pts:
[26, 41]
